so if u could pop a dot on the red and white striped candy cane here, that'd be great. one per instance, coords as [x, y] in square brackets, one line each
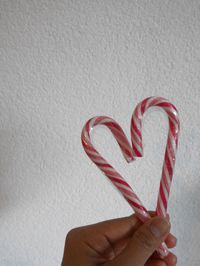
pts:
[136, 150]
[171, 147]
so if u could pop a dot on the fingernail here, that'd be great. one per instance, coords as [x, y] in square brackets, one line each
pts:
[175, 240]
[159, 227]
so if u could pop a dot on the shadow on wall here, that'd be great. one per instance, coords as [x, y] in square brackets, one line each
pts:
[19, 167]
[188, 217]
[8, 153]
[14, 263]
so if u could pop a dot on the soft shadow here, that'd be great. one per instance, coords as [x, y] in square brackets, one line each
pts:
[7, 161]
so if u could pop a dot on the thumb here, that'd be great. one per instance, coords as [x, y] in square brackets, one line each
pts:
[143, 243]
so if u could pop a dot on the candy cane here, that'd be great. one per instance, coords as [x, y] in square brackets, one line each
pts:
[136, 150]
[171, 147]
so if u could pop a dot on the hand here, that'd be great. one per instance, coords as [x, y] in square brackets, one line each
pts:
[120, 242]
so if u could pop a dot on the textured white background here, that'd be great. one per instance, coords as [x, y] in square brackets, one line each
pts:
[65, 61]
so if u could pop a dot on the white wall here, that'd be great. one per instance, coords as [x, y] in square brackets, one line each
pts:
[63, 62]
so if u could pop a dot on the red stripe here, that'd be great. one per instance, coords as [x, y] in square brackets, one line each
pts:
[109, 172]
[135, 129]
[168, 164]
[135, 150]
[87, 128]
[126, 151]
[163, 196]
[164, 178]
[114, 124]
[156, 101]
[165, 104]
[133, 203]
[139, 142]
[96, 156]
[123, 190]
[174, 130]
[120, 136]
[102, 165]
[143, 104]
[89, 147]
[159, 210]
[171, 151]
[115, 179]
[98, 120]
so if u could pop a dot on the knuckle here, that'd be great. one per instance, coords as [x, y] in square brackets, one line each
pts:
[145, 239]
[72, 234]
[77, 233]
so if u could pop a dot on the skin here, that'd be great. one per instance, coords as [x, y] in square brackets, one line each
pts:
[118, 242]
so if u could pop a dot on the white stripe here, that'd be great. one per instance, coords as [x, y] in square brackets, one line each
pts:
[91, 152]
[137, 123]
[159, 101]
[133, 198]
[173, 143]
[135, 134]
[117, 131]
[165, 190]
[99, 161]
[171, 110]
[91, 123]
[123, 186]
[117, 175]
[86, 135]
[171, 113]
[170, 158]
[167, 175]
[161, 206]
[148, 103]
[108, 169]
[139, 112]
[107, 120]
[174, 122]
[163, 250]
[137, 146]
[141, 212]
[121, 139]
[124, 145]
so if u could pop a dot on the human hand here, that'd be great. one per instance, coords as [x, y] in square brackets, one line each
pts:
[120, 242]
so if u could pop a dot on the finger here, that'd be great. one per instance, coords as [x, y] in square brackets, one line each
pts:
[155, 262]
[170, 259]
[119, 246]
[143, 243]
[171, 241]
[117, 229]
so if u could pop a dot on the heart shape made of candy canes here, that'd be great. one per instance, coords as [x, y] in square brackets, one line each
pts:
[136, 150]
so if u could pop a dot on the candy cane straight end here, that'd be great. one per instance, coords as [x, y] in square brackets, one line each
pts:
[137, 153]
[130, 159]
[163, 250]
